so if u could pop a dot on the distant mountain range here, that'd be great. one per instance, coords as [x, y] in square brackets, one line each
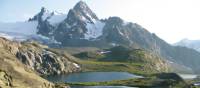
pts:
[81, 27]
[193, 44]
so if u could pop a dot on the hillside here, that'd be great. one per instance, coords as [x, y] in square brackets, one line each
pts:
[132, 59]
[15, 74]
[22, 63]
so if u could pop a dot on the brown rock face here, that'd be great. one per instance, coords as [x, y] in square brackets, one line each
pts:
[5, 80]
[15, 74]
[40, 58]
[19, 63]
[45, 61]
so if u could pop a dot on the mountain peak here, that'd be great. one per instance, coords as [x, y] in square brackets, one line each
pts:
[83, 11]
[43, 9]
[42, 15]
[81, 5]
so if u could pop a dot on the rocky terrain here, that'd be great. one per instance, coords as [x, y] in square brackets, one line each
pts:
[15, 74]
[45, 61]
[82, 28]
[22, 63]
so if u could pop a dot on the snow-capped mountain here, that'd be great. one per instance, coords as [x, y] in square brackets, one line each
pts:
[81, 24]
[81, 27]
[193, 44]
[23, 31]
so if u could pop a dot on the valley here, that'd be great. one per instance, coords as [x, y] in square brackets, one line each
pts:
[78, 49]
[94, 62]
[149, 69]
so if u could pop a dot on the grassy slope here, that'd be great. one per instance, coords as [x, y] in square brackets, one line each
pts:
[94, 62]
[135, 68]
[142, 83]
[89, 65]
[75, 50]
[123, 59]
[148, 82]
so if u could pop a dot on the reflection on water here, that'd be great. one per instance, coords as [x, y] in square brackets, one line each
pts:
[102, 87]
[92, 77]
[188, 76]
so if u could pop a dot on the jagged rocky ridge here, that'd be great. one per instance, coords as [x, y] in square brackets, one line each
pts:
[45, 61]
[77, 26]
[14, 74]
[81, 27]
[41, 59]
[21, 63]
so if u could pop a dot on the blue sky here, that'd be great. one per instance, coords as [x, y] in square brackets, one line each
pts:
[172, 20]
[18, 10]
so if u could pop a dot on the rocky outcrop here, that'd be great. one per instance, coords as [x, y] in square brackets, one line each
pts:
[14, 74]
[41, 59]
[5, 80]
[167, 80]
[151, 62]
[45, 61]
[19, 63]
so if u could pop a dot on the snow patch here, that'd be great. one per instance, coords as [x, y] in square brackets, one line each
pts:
[104, 52]
[14, 36]
[125, 23]
[114, 44]
[21, 37]
[120, 32]
[6, 36]
[188, 76]
[26, 28]
[91, 18]
[22, 31]
[76, 65]
[94, 30]
[53, 17]
[83, 19]
[46, 14]
[57, 18]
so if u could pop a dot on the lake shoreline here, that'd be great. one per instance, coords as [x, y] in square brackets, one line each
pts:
[92, 77]
[164, 80]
